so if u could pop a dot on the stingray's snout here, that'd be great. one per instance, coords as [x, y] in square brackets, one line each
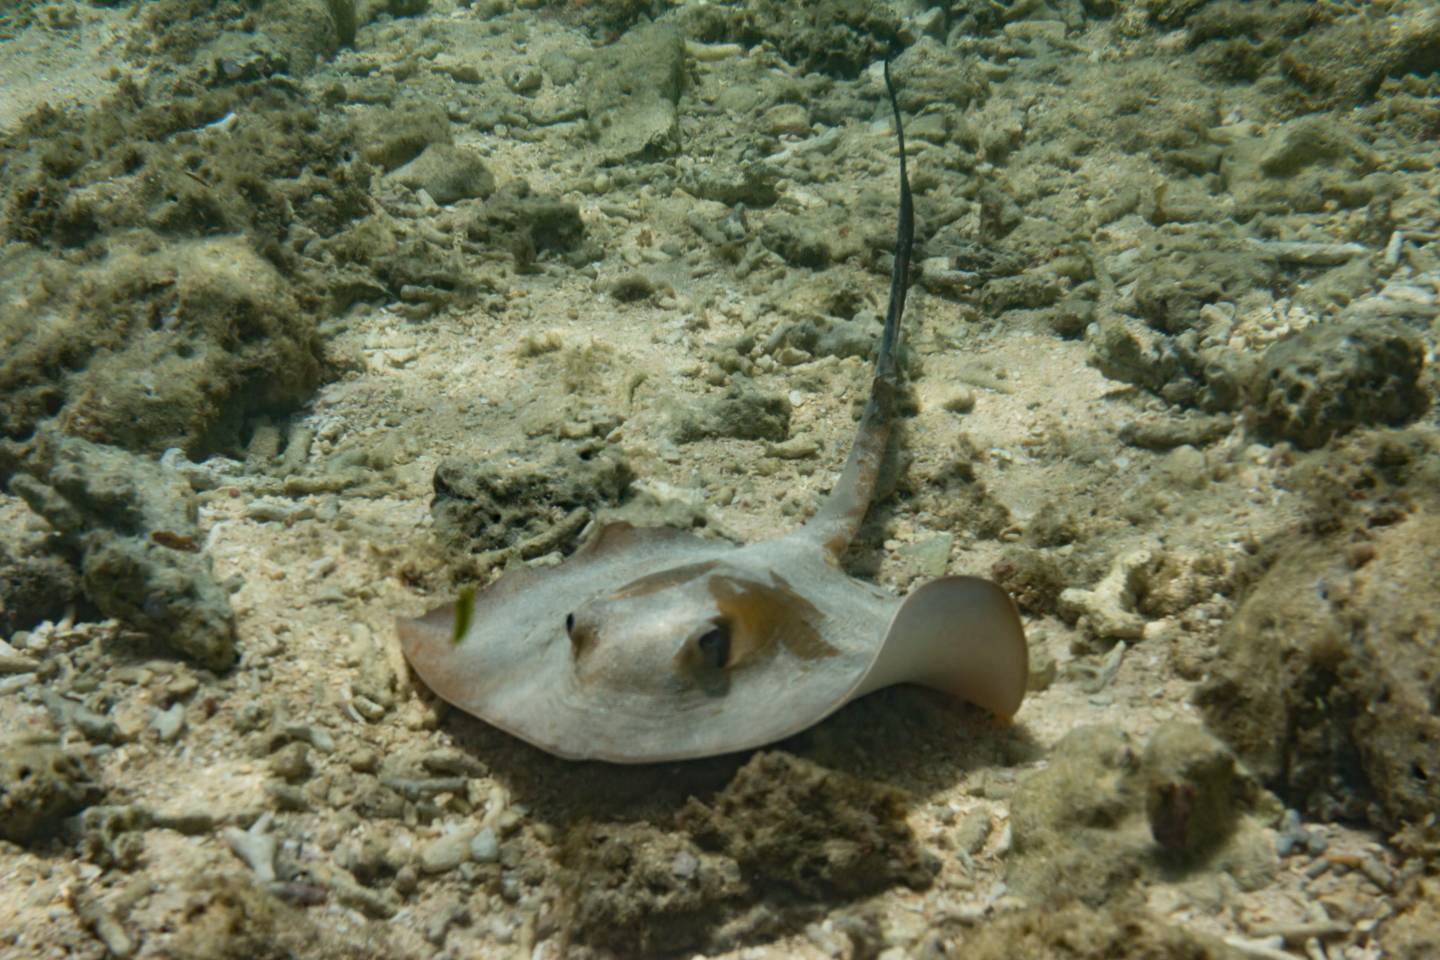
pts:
[657, 645]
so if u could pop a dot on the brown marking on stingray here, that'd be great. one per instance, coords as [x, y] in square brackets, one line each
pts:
[582, 638]
[762, 616]
[665, 578]
[835, 545]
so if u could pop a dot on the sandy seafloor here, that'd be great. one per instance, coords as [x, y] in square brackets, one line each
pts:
[1104, 204]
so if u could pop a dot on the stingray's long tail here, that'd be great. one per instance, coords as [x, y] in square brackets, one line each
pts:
[904, 242]
[838, 520]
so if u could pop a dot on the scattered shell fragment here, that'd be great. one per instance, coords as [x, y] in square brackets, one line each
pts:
[255, 846]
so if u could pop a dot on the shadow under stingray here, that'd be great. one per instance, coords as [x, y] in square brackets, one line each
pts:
[908, 737]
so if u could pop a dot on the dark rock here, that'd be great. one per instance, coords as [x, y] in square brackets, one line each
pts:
[1330, 378]
[1326, 680]
[151, 350]
[40, 785]
[642, 891]
[34, 588]
[485, 505]
[529, 224]
[802, 829]
[744, 412]
[133, 523]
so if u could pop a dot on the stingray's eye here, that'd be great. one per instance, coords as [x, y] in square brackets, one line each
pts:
[714, 646]
[582, 636]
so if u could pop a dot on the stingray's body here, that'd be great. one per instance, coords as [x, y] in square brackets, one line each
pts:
[654, 644]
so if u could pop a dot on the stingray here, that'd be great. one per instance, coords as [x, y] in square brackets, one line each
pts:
[655, 644]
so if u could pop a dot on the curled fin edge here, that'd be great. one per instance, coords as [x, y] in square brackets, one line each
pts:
[959, 635]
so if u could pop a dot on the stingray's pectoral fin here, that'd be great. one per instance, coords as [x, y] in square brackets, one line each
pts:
[428, 641]
[959, 635]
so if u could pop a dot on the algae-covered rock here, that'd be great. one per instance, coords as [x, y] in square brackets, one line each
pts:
[1034, 578]
[226, 43]
[744, 412]
[133, 524]
[1192, 791]
[33, 587]
[1179, 369]
[1108, 611]
[1398, 732]
[1128, 350]
[369, 10]
[1344, 61]
[391, 138]
[950, 489]
[786, 837]
[230, 917]
[156, 295]
[728, 182]
[448, 173]
[1413, 933]
[640, 890]
[929, 71]
[151, 349]
[1103, 815]
[632, 95]
[168, 593]
[836, 37]
[1299, 167]
[488, 505]
[1330, 378]
[1076, 830]
[799, 241]
[40, 785]
[1073, 932]
[798, 828]
[1325, 683]
[1185, 276]
[858, 336]
[1168, 433]
[529, 224]
[309, 30]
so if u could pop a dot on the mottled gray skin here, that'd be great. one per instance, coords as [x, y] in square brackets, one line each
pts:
[654, 644]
